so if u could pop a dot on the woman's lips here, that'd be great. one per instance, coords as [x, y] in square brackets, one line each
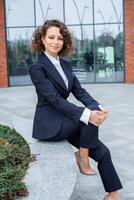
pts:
[55, 48]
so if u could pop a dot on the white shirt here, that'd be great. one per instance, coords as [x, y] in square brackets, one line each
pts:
[56, 62]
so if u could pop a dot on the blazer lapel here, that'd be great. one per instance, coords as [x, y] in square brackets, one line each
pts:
[50, 68]
[67, 72]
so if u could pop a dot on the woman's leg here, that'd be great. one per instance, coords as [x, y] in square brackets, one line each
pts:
[83, 161]
[88, 139]
[80, 135]
[109, 176]
[85, 135]
[108, 173]
[112, 196]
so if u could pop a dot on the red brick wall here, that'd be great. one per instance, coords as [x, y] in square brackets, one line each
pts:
[3, 62]
[129, 41]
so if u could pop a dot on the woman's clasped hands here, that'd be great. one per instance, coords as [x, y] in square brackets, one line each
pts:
[98, 117]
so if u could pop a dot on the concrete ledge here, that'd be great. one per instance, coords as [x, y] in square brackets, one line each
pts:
[53, 174]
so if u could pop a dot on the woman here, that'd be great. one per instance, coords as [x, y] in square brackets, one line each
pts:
[55, 117]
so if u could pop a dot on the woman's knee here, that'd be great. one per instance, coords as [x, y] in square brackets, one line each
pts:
[89, 130]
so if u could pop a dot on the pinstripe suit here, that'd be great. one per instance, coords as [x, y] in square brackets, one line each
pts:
[56, 118]
[52, 94]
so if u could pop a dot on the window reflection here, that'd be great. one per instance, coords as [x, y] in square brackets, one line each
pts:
[48, 10]
[109, 53]
[108, 11]
[19, 13]
[19, 54]
[82, 58]
[97, 57]
[81, 12]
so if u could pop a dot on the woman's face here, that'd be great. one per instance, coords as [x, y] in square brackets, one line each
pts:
[53, 41]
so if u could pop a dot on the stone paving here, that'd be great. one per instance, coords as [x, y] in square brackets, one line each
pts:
[117, 132]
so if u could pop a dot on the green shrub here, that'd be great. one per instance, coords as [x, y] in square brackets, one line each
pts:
[14, 160]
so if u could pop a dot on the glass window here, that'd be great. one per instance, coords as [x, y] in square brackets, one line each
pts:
[19, 13]
[78, 12]
[82, 58]
[48, 10]
[109, 53]
[19, 55]
[96, 58]
[107, 11]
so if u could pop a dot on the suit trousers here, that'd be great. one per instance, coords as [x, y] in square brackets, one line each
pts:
[81, 135]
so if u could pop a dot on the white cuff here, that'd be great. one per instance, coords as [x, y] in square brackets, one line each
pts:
[100, 107]
[85, 116]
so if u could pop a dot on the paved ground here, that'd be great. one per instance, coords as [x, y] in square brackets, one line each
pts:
[117, 132]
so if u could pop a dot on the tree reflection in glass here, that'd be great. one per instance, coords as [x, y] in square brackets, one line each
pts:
[109, 54]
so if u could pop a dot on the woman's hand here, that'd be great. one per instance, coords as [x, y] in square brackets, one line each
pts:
[98, 117]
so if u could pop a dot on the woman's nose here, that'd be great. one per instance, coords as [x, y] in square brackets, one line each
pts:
[55, 40]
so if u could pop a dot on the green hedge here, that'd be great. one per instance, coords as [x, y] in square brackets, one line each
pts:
[14, 160]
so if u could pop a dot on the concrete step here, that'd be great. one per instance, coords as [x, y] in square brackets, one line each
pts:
[53, 175]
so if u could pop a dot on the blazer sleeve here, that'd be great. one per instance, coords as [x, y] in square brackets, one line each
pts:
[47, 89]
[82, 95]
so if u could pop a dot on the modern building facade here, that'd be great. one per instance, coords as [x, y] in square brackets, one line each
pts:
[102, 32]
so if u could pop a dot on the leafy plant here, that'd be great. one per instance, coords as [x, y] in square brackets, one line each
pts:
[14, 160]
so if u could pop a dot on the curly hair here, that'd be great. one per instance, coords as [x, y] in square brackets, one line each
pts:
[37, 44]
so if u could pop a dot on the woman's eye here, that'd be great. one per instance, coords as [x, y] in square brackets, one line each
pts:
[51, 37]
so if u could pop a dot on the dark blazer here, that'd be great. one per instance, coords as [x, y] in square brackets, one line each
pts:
[52, 95]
